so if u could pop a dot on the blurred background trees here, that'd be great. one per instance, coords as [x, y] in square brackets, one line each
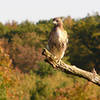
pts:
[28, 77]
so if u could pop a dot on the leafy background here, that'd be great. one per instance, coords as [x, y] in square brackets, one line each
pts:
[25, 76]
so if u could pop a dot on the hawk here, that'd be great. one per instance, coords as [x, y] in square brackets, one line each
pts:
[58, 39]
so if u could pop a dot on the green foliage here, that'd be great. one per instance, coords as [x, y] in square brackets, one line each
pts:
[44, 27]
[40, 91]
[85, 46]
[2, 89]
[20, 53]
[45, 69]
[26, 27]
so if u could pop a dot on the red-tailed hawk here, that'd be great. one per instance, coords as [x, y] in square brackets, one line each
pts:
[58, 39]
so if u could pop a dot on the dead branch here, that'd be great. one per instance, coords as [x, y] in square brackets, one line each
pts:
[95, 78]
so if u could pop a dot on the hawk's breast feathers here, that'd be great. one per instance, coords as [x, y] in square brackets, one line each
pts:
[61, 35]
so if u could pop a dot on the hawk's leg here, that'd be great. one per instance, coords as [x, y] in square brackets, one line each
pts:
[58, 61]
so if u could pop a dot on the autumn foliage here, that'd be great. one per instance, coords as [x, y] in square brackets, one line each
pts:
[25, 76]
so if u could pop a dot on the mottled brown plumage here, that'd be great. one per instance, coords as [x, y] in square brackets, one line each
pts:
[58, 39]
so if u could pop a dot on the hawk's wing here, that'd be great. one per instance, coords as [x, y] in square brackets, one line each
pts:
[51, 39]
[66, 36]
[65, 39]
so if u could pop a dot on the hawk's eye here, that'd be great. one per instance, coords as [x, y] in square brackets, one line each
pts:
[56, 20]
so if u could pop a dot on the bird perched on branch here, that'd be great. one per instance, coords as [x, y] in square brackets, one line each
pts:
[58, 39]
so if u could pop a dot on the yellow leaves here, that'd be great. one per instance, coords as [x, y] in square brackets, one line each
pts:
[96, 34]
[5, 61]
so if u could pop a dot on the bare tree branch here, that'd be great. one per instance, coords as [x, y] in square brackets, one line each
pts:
[95, 78]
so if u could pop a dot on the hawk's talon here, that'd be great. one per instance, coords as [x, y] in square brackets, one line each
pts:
[58, 62]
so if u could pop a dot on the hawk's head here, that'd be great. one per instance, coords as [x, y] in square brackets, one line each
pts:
[57, 21]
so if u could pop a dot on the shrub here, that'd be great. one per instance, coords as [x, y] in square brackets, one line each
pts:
[44, 69]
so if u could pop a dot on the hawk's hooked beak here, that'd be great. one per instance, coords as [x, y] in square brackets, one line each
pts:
[54, 22]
